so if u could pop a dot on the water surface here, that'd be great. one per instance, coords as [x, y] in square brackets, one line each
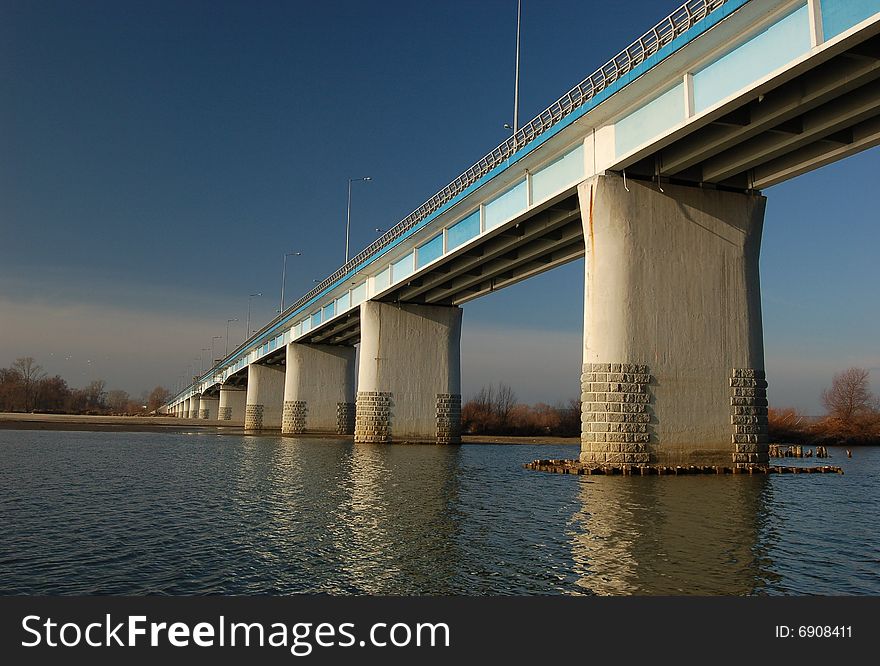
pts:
[198, 513]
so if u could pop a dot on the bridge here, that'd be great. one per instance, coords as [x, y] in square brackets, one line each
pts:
[652, 169]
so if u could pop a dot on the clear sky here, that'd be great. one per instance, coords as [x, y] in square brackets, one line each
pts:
[157, 158]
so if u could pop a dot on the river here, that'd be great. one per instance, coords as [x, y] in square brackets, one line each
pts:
[183, 513]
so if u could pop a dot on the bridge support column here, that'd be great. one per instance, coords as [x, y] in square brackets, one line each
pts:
[265, 397]
[186, 405]
[195, 403]
[673, 343]
[208, 407]
[319, 389]
[232, 403]
[409, 374]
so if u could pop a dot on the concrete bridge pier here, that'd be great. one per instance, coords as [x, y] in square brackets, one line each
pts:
[232, 403]
[208, 407]
[409, 374]
[194, 406]
[265, 397]
[319, 389]
[186, 406]
[673, 342]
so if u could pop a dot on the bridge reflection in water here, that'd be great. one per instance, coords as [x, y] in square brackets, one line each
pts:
[672, 535]
[399, 520]
[325, 516]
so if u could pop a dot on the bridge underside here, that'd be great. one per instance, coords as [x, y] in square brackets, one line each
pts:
[815, 118]
[546, 238]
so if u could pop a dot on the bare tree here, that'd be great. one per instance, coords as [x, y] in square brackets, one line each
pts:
[31, 373]
[157, 397]
[52, 394]
[849, 395]
[95, 395]
[505, 401]
[117, 401]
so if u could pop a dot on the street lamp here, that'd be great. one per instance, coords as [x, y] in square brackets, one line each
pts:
[228, 321]
[201, 362]
[213, 355]
[348, 215]
[284, 274]
[247, 330]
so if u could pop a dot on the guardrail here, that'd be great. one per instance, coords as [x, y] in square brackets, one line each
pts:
[648, 44]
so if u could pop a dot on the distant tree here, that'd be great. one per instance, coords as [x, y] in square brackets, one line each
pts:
[31, 373]
[570, 418]
[505, 401]
[95, 395]
[76, 402]
[118, 401]
[10, 390]
[157, 397]
[849, 396]
[52, 394]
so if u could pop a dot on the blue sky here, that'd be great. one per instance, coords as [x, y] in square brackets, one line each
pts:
[159, 157]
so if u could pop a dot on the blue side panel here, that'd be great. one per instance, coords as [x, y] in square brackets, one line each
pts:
[558, 174]
[402, 268]
[359, 294]
[769, 50]
[430, 251]
[841, 15]
[506, 206]
[650, 120]
[382, 280]
[316, 319]
[463, 231]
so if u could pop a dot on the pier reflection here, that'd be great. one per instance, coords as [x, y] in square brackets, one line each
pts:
[345, 519]
[398, 526]
[670, 535]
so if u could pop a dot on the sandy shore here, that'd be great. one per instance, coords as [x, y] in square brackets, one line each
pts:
[512, 439]
[15, 421]
[10, 421]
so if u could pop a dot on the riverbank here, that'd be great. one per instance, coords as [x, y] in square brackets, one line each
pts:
[86, 422]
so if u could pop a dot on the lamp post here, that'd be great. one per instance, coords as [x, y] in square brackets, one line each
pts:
[284, 274]
[247, 330]
[201, 362]
[213, 354]
[228, 321]
[348, 215]
[516, 76]
[513, 128]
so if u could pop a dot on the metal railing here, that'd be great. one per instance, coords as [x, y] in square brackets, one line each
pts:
[682, 19]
